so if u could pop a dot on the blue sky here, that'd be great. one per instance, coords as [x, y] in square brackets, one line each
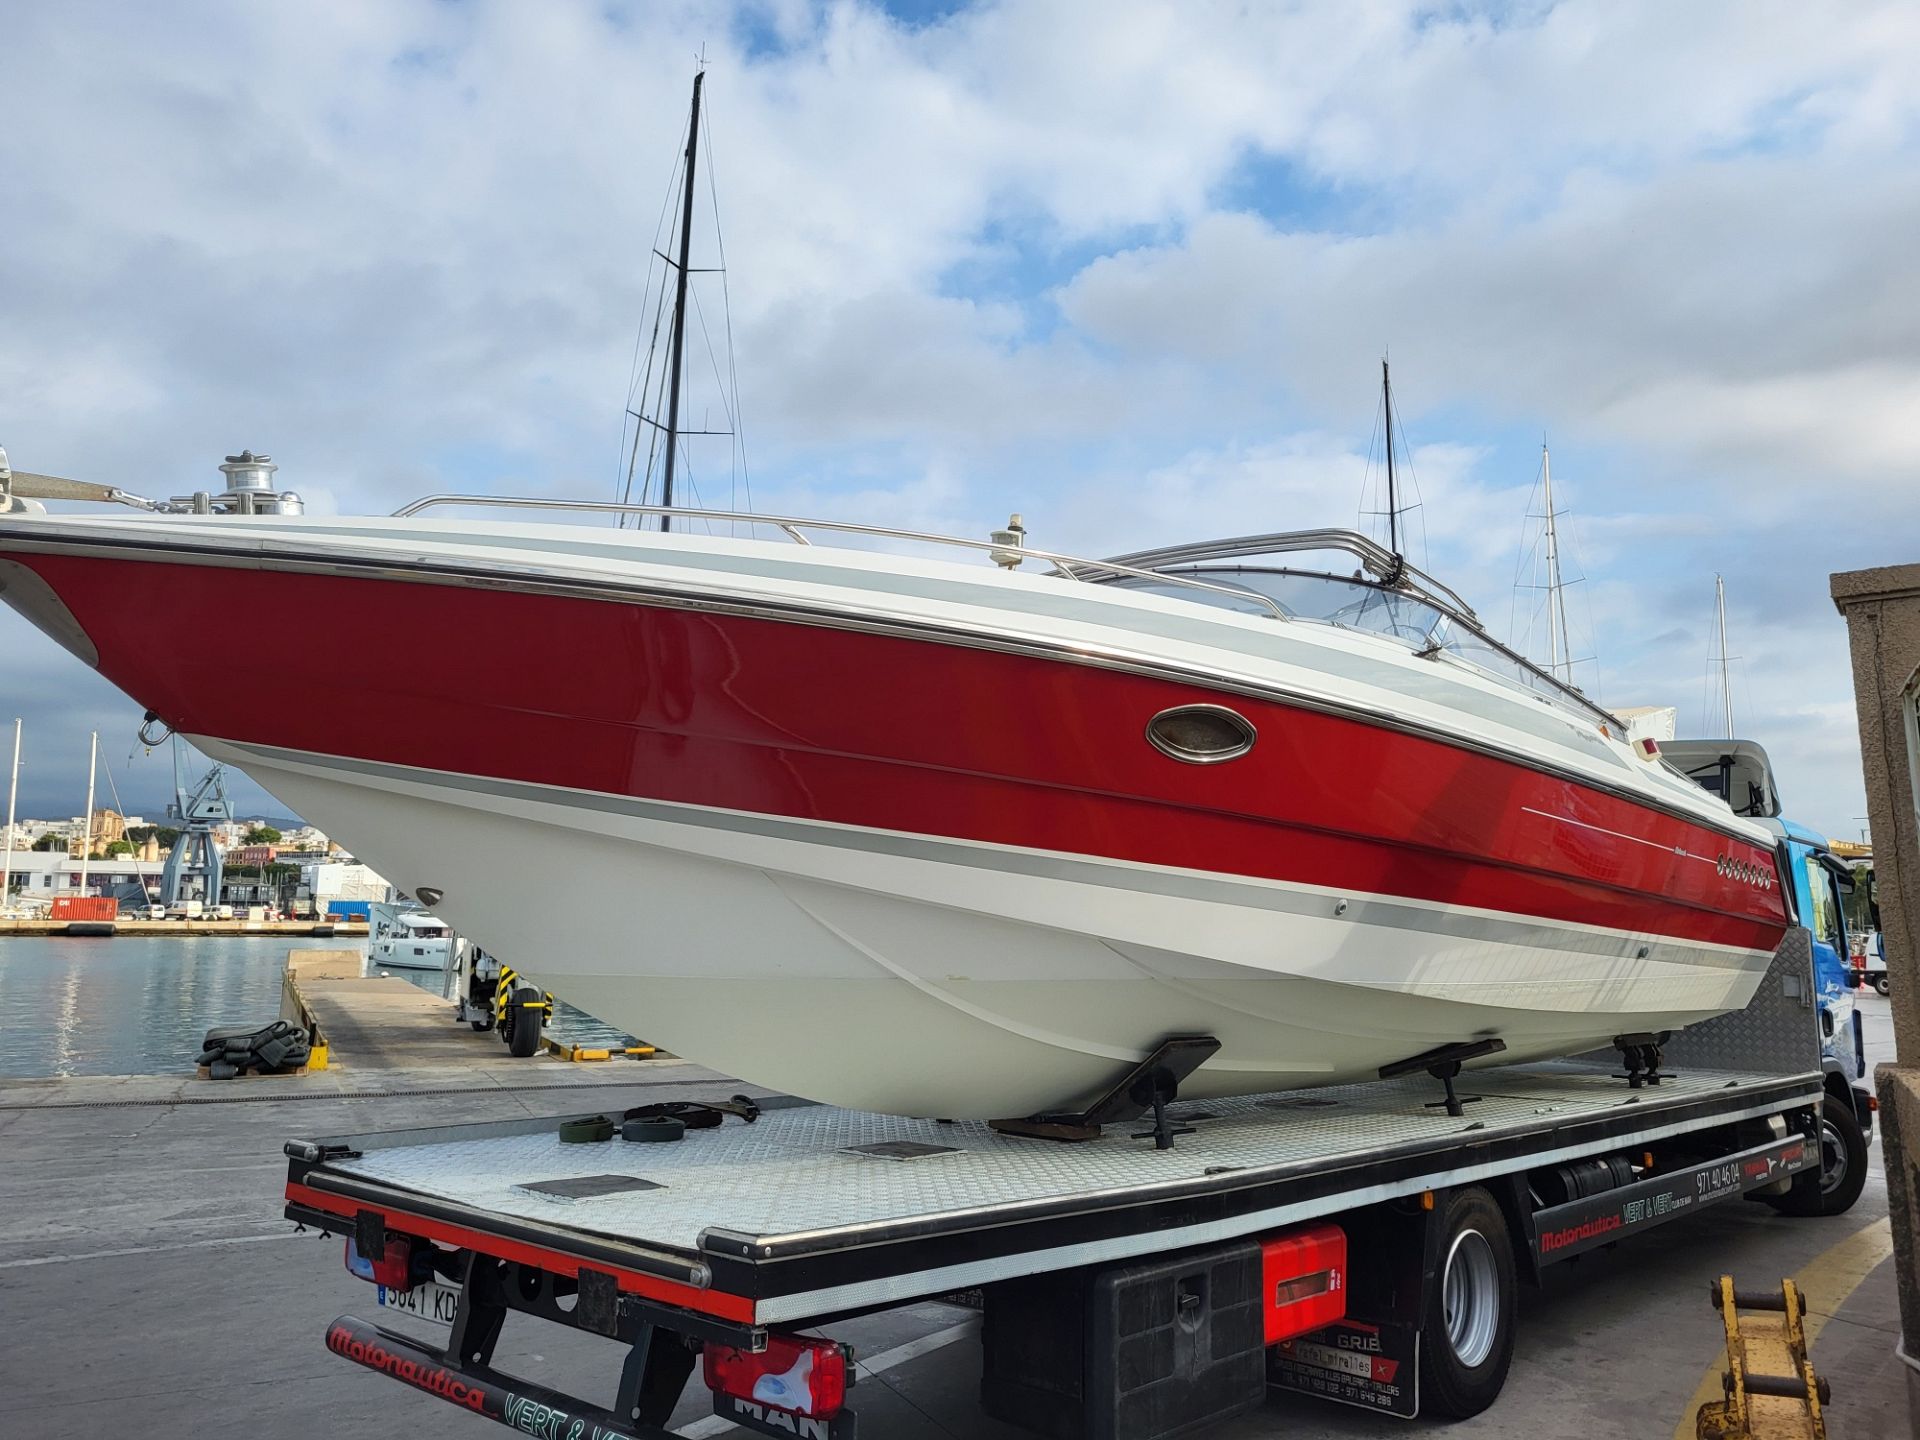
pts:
[1125, 268]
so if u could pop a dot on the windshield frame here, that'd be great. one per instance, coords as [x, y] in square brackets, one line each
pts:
[1380, 570]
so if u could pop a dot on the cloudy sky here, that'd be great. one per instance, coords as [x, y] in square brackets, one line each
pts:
[1128, 269]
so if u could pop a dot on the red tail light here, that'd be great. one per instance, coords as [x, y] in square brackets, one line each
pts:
[394, 1268]
[802, 1377]
[1304, 1277]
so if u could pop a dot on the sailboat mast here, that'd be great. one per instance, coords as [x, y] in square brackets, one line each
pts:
[13, 794]
[86, 834]
[680, 304]
[1559, 646]
[1726, 681]
[1393, 499]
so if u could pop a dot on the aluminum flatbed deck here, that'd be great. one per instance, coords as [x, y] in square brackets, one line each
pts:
[814, 1210]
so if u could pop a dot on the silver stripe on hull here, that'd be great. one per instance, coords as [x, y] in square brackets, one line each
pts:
[1453, 921]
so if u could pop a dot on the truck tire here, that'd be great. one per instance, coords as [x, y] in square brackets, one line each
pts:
[1880, 985]
[1832, 1189]
[1466, 1335]
[523, 1011]
[503, 1025]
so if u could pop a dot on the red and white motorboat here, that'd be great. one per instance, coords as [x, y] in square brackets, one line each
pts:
[936, 836]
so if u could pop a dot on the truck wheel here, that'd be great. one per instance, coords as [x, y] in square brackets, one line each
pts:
[524, 1008]
[1466, 1336]
[1832, 1189]
[1880, 985]
[481, 1024]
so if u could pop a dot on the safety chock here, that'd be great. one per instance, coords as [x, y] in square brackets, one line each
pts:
[581, 1052]
[1770, 1390]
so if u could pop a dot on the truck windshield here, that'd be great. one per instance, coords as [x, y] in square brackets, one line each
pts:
[1826, 904]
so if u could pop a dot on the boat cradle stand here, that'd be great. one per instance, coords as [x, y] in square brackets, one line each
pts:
[1443, 1062]
[1642, 1056]
[1151, 1085]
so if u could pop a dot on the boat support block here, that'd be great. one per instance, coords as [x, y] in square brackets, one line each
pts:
[1443, 1063]
[1151, 1085]
[1642, 1055]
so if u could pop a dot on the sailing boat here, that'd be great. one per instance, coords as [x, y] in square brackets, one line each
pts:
[1548, 551]
[1736, 770]
[1723, 660]
[654, 392]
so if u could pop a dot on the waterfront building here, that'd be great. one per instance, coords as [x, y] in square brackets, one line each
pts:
[107, 826]
[50, 874]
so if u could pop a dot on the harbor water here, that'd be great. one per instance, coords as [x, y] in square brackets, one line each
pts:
[140, 1005]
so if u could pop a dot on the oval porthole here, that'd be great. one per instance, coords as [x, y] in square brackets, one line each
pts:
[1201, 734]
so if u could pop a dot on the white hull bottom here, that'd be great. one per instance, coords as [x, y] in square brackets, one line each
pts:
[920, 976]
[381, 962]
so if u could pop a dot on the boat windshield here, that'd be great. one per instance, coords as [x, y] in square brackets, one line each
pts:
[1360, 603]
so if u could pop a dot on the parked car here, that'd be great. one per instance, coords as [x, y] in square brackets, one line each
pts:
[1870, 959]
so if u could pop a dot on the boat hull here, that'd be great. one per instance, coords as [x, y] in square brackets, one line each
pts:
[437, 964]
[826, 852]
[885, 971]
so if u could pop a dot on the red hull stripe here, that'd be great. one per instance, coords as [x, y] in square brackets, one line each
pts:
[403, 1222]
[889, 733]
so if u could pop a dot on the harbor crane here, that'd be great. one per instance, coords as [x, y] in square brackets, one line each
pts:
[195, 855]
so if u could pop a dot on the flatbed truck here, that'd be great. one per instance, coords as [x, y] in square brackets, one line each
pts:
[1362, 1243]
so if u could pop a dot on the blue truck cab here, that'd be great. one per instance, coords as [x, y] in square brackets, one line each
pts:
[1739, 772]
[1819, 882]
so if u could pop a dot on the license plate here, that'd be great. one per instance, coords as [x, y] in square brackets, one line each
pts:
[430, 1300]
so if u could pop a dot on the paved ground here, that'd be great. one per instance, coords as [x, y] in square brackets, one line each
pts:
[148, 1283]
[381, 1022]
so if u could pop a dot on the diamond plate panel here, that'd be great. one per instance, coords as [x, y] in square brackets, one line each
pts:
[790, 1174]
[1778, 1032]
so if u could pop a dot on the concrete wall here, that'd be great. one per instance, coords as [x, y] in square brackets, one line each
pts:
[1882, 610]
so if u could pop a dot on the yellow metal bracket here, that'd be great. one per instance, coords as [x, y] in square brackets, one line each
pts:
[1769, 1389]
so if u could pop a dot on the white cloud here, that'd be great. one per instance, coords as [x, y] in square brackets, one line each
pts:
[403, 247]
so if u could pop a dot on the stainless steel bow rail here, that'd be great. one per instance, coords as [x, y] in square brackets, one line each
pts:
[795, 527]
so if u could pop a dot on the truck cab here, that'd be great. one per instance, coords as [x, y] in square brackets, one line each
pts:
[1820, 882]
[1739, 772]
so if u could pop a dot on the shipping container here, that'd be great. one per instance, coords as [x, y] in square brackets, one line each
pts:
[85, 907]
